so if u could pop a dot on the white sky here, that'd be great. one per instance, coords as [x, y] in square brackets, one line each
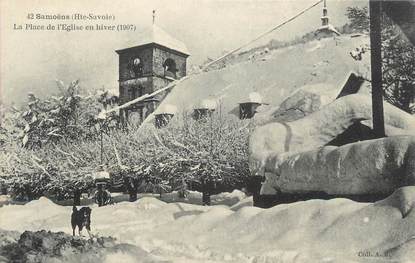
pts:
[31, 61]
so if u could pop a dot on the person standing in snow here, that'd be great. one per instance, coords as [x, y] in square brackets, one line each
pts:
[131, 185]
[183, 191]
[102, 196]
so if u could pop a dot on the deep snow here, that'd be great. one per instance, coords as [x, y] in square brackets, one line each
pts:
[337, 230]
[277, 74]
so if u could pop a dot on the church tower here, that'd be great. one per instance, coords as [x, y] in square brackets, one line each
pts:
[324, 18]
[326, 29]
[152, 63]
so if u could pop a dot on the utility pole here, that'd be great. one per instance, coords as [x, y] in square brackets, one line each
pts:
[102, 147]
[154, 16]
[375, 10]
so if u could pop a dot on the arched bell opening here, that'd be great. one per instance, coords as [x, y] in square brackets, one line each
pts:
[170, 69]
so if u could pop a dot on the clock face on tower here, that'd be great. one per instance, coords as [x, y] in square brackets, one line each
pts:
[136, 67]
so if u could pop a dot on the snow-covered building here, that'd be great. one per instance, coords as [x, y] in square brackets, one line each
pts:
[326, 28]
[260, 86]
[152, 63]
[204, 109]
[248, 107]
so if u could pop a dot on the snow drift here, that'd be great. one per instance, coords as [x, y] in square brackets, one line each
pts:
[304, 101]
[311, 98]
[338, 230]
[278, 139]
[369, 167]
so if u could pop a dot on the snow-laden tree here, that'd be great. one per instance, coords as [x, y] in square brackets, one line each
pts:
[398, 59]
[207, 154]
[69, 115]
[52, 145]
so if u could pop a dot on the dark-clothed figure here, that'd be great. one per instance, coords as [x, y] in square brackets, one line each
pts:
[131, 185]
[102, 196]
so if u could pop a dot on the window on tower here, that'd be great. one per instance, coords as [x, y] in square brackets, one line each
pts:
[170, 69]
[136, 91]
[137, 67]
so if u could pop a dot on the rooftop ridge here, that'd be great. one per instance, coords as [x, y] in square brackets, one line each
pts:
[156, 35]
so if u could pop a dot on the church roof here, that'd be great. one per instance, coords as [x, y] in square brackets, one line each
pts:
[264, 80]
[158, 36]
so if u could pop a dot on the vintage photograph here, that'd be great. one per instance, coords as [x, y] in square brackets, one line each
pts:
[207, 131]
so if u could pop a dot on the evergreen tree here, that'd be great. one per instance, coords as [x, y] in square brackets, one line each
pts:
[398, 59]
[358, 18]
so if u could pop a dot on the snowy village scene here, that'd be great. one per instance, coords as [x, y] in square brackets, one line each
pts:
[207, 131]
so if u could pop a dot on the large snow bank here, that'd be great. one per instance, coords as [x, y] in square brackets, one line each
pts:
[367, 167]
[310, 98]
[304, 101]
[319, 128]
[337, 230]
[32, 214]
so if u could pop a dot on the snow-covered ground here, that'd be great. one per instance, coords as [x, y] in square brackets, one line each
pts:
[337, 230]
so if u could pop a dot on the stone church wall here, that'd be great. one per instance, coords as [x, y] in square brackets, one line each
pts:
[160, 55]
[125, 61]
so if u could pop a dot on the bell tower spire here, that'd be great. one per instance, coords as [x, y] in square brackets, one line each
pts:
[325, 18]
[326, 29]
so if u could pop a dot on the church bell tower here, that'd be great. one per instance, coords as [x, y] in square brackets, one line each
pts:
[154, 61]
[326, 29]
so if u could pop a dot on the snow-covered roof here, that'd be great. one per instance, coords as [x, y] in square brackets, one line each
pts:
[253, 97]
[166, 109]
[209, 104]
[101, 175]
[158, 36]
[273, 82]
[329, 28]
